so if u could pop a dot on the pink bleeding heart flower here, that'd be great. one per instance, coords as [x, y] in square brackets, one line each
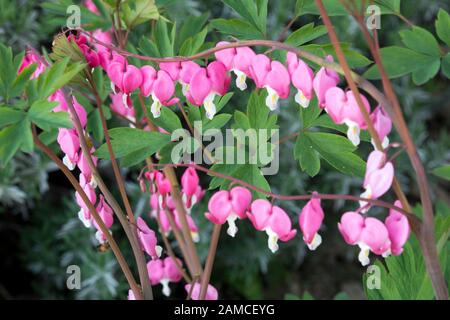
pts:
[89, 4]
[378, 178]
[374, 237]
[90, 55]
[259, 68]
[163, 272]
[324, 80]
[103, 36]
[80, 112]
[172, 68]
[310, 220]
[302, 78]
[163, 183]
[106, 214]
[189, 183]
[149, 75]
[147, 238]
[271, 75]
[70, 145]
[84, 214]
[369, 234]
[228, 206]
[120, 108]
[206, 84]
[398, 229]
[350, 226]
[29, 59]
[343, 108]
[85, 170]
[211, 292]
[124, 76]
[58, 96]
[273, 220]
[191, 224]
[162, 92]
[237, 60]
[382, 125]
[188, 70]
[107, 57]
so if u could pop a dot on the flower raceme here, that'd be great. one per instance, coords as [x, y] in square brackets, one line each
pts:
[372, 235]
[228, 206]
[273, 220]
[164, 271]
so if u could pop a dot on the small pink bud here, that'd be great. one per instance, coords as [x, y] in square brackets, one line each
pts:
[148, 239]
[310, 220]
[211, 292]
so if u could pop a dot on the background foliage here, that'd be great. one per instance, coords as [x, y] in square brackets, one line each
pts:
[40, 234]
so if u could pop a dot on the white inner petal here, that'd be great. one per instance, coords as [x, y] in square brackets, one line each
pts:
[353, 132]
[86, 221]
[232, 229]
[209, 105]
[240, 79]
[363, 255]
[368, 195]
[272, 241]
[166, 289]
[317, 240]
[69, 164]
[272, 99]
[301, 99]
[158, 250]
[156, 107]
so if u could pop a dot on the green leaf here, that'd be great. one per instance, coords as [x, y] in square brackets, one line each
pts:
[236, 27]
[126, 141]
[310, 114]
[354, 58]
[420, 40]
[148, 47]
[165, 45]
[249, 11]
[191, 26]
[399, 61]
[21, 80]
[241, 120]
[306, 154]
[136, 12]
[446, 65]
[443, 26]
[324, 121]
[257, 112]
[337, 151]
[305, 34]
[42, 115]
[192, 45]
[11, 139]
[217, 122]
[442, 172]
[299, 7]
[168, 120]
[423, 75]
[10, 116]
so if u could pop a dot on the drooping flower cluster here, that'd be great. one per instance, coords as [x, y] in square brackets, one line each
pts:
[163, 206]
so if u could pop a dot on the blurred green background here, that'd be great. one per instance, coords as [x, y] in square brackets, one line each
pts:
[40, 234]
